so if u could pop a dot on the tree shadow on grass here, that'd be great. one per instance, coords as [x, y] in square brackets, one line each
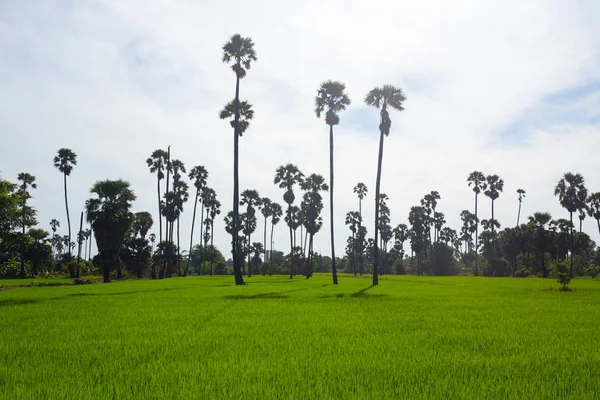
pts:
[17, 302]
[272, 295]
[120, 293]
[360, 294]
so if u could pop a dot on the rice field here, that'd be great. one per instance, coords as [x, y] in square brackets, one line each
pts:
[276, 338]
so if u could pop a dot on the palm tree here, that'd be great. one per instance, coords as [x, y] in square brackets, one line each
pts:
[582, 215]
[521, 194]
[330, 100]
[265, 209]
[477, 180]
[382, 98]
[495, 185]
[594, 207]
[152, 238]
[250, 198]
[142, 222]
[64, 162]
[312, 205]
[27, 181]
[54, 225]
[157, 162]
[198, 175]
[539, 222]
[110, 216]
[246, 114]
[238, 51]
[361, 191]
[286, 177]
[353, 220]
[572, 194]
[276, 213]
[214, 209]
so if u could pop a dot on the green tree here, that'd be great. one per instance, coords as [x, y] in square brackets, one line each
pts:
[240, 53]
[477, 180]
[330, 100]
[382, 98]
[594, 207]
[198, 175]
[276, 213]
[541, 239]
[110, 216]
[142, 222]
[27, 181]
[286, 177]
[251, 199]
[361, 191]
[312, 205]
[38, 251]
[495, 185]
[572, 194]
[265, 209]
[64, 161]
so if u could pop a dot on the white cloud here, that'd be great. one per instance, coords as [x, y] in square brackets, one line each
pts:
[115, 80]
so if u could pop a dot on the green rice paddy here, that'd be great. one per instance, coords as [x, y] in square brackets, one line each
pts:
[276, 338]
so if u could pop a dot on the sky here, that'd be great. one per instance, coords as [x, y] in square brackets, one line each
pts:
[504, 87]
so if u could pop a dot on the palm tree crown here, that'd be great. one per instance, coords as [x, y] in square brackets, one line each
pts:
[571, 192]
[240, 51]
[382, 98]
[65, 160]
[246, 115]
[331, 99]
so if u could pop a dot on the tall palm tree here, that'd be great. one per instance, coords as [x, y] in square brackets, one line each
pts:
[286, 177]
[495, 185]
[265, 209]
[521, 194]
[353, 221]
[64, 161]
[214, 209]
[331, 99]
[157, 163]
[477, 180]
[572, 194]
[250, 198]
[582, 215]
[312, 205]
[110, 216]
[594, 207]
[276, 213]
[198, 175]
[382, 98]
[54, 225]
[541, 239]
[27, 181]
[238, 51]
[361, 191]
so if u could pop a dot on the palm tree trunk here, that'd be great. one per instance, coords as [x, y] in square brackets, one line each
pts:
[598, 222]
[249, 258]
[271, 253]
[178, 253]
[187, 267]
[571, 245]
[519, 213]
[239, 279]
[377, 189]
[353, 254]
[168, 248]
[90, 249]
[22, 273]
[79, 241]
[292, 253]
[159, 212]
[68, 217]
[265, 245]
[361, 260]
[476, 235]
[212, 249]
[333, 269]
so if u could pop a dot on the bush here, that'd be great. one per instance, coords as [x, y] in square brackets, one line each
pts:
[398, 267]
[561, 273]
[11, 269]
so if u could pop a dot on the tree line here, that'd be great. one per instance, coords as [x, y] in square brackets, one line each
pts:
[121, 238]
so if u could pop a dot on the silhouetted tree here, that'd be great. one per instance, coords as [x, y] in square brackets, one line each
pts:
[382, 98]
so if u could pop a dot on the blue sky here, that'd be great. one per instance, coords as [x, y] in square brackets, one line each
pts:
[506, 87]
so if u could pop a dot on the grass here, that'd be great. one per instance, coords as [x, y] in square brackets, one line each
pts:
[275, 338]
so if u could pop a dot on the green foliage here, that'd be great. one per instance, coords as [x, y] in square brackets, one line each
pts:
[561, 272]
